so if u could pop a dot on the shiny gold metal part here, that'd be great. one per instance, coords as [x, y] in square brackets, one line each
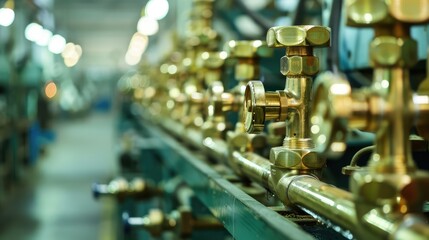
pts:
[201, 40]
[120, 188]
[390, 187]
[180, 221]
[299, 65]
[215, 124]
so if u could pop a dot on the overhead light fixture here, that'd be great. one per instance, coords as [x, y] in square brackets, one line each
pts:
[7, 15]
[33, 31]
[71, 54]
[137, 47]
[57, 44]
[156, 9]
[44, 38]
[147, 26]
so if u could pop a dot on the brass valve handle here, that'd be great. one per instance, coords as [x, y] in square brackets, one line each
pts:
[260, 106]
[331, 108]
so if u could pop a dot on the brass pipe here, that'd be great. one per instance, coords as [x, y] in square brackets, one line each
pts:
[393, 149]
[216, 148]
[300, 88]
[253, 166]
[329, 204]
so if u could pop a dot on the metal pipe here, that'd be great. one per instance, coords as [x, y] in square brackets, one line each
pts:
[336, 208]
[252, 166]
[217, 148]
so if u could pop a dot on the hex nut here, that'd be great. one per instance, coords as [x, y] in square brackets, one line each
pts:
[248, 49]
[410, 11]
[299, 65]
[390, 51]
[371, 12]
[367, 12]
[306, 35]
[378, 189]
[213, 60]
[245, 71]
[300, 159]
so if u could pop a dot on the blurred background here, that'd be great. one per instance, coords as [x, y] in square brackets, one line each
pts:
[60, 62]
[61, 65]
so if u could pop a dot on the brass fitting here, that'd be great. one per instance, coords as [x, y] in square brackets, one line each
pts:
[391, 182]
[395, 193]
[121, 189]
[247, 54]
[202, 39]
[261, 106]
[390, 51]
[212, 64]
[181, 221]
[299, 65]
[380, 12]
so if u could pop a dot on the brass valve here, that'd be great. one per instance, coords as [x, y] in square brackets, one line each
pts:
[388, 108]
[299, 65]
[247, 54]
[120, 188]
[261, 106]
[181, 221]
[299, 61]
[381, 12]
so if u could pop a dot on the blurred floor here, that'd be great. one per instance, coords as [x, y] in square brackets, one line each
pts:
[56, 202]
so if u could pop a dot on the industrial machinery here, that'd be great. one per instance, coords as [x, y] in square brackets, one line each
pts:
[257, 164]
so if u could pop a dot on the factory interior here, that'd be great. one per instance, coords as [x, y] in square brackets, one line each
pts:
[214, 119]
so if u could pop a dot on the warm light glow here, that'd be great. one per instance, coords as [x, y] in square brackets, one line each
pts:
[71, 54]
[340, 89]
[156, 9]
[7, 16]
[57, 44]
[147, 26]
[132, 59]
[137, 47]
[33, 31]
[44, 38]
[50, 90]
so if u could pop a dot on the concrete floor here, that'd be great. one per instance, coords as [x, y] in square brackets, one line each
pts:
[55, 202]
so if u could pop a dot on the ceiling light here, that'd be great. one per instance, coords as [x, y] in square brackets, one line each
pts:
[32, 31]
[156, 9]
[57, 44]
[7, 16]
[147, 26]
[71, 54]
[44, 37]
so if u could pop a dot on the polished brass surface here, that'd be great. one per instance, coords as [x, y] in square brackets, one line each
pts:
[214, 125]
[180, 221]
[299, 65]
[120, 188]
[200, 45]
[390, 187]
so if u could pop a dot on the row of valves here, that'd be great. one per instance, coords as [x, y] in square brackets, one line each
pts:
[181, 221]
[189, 99]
